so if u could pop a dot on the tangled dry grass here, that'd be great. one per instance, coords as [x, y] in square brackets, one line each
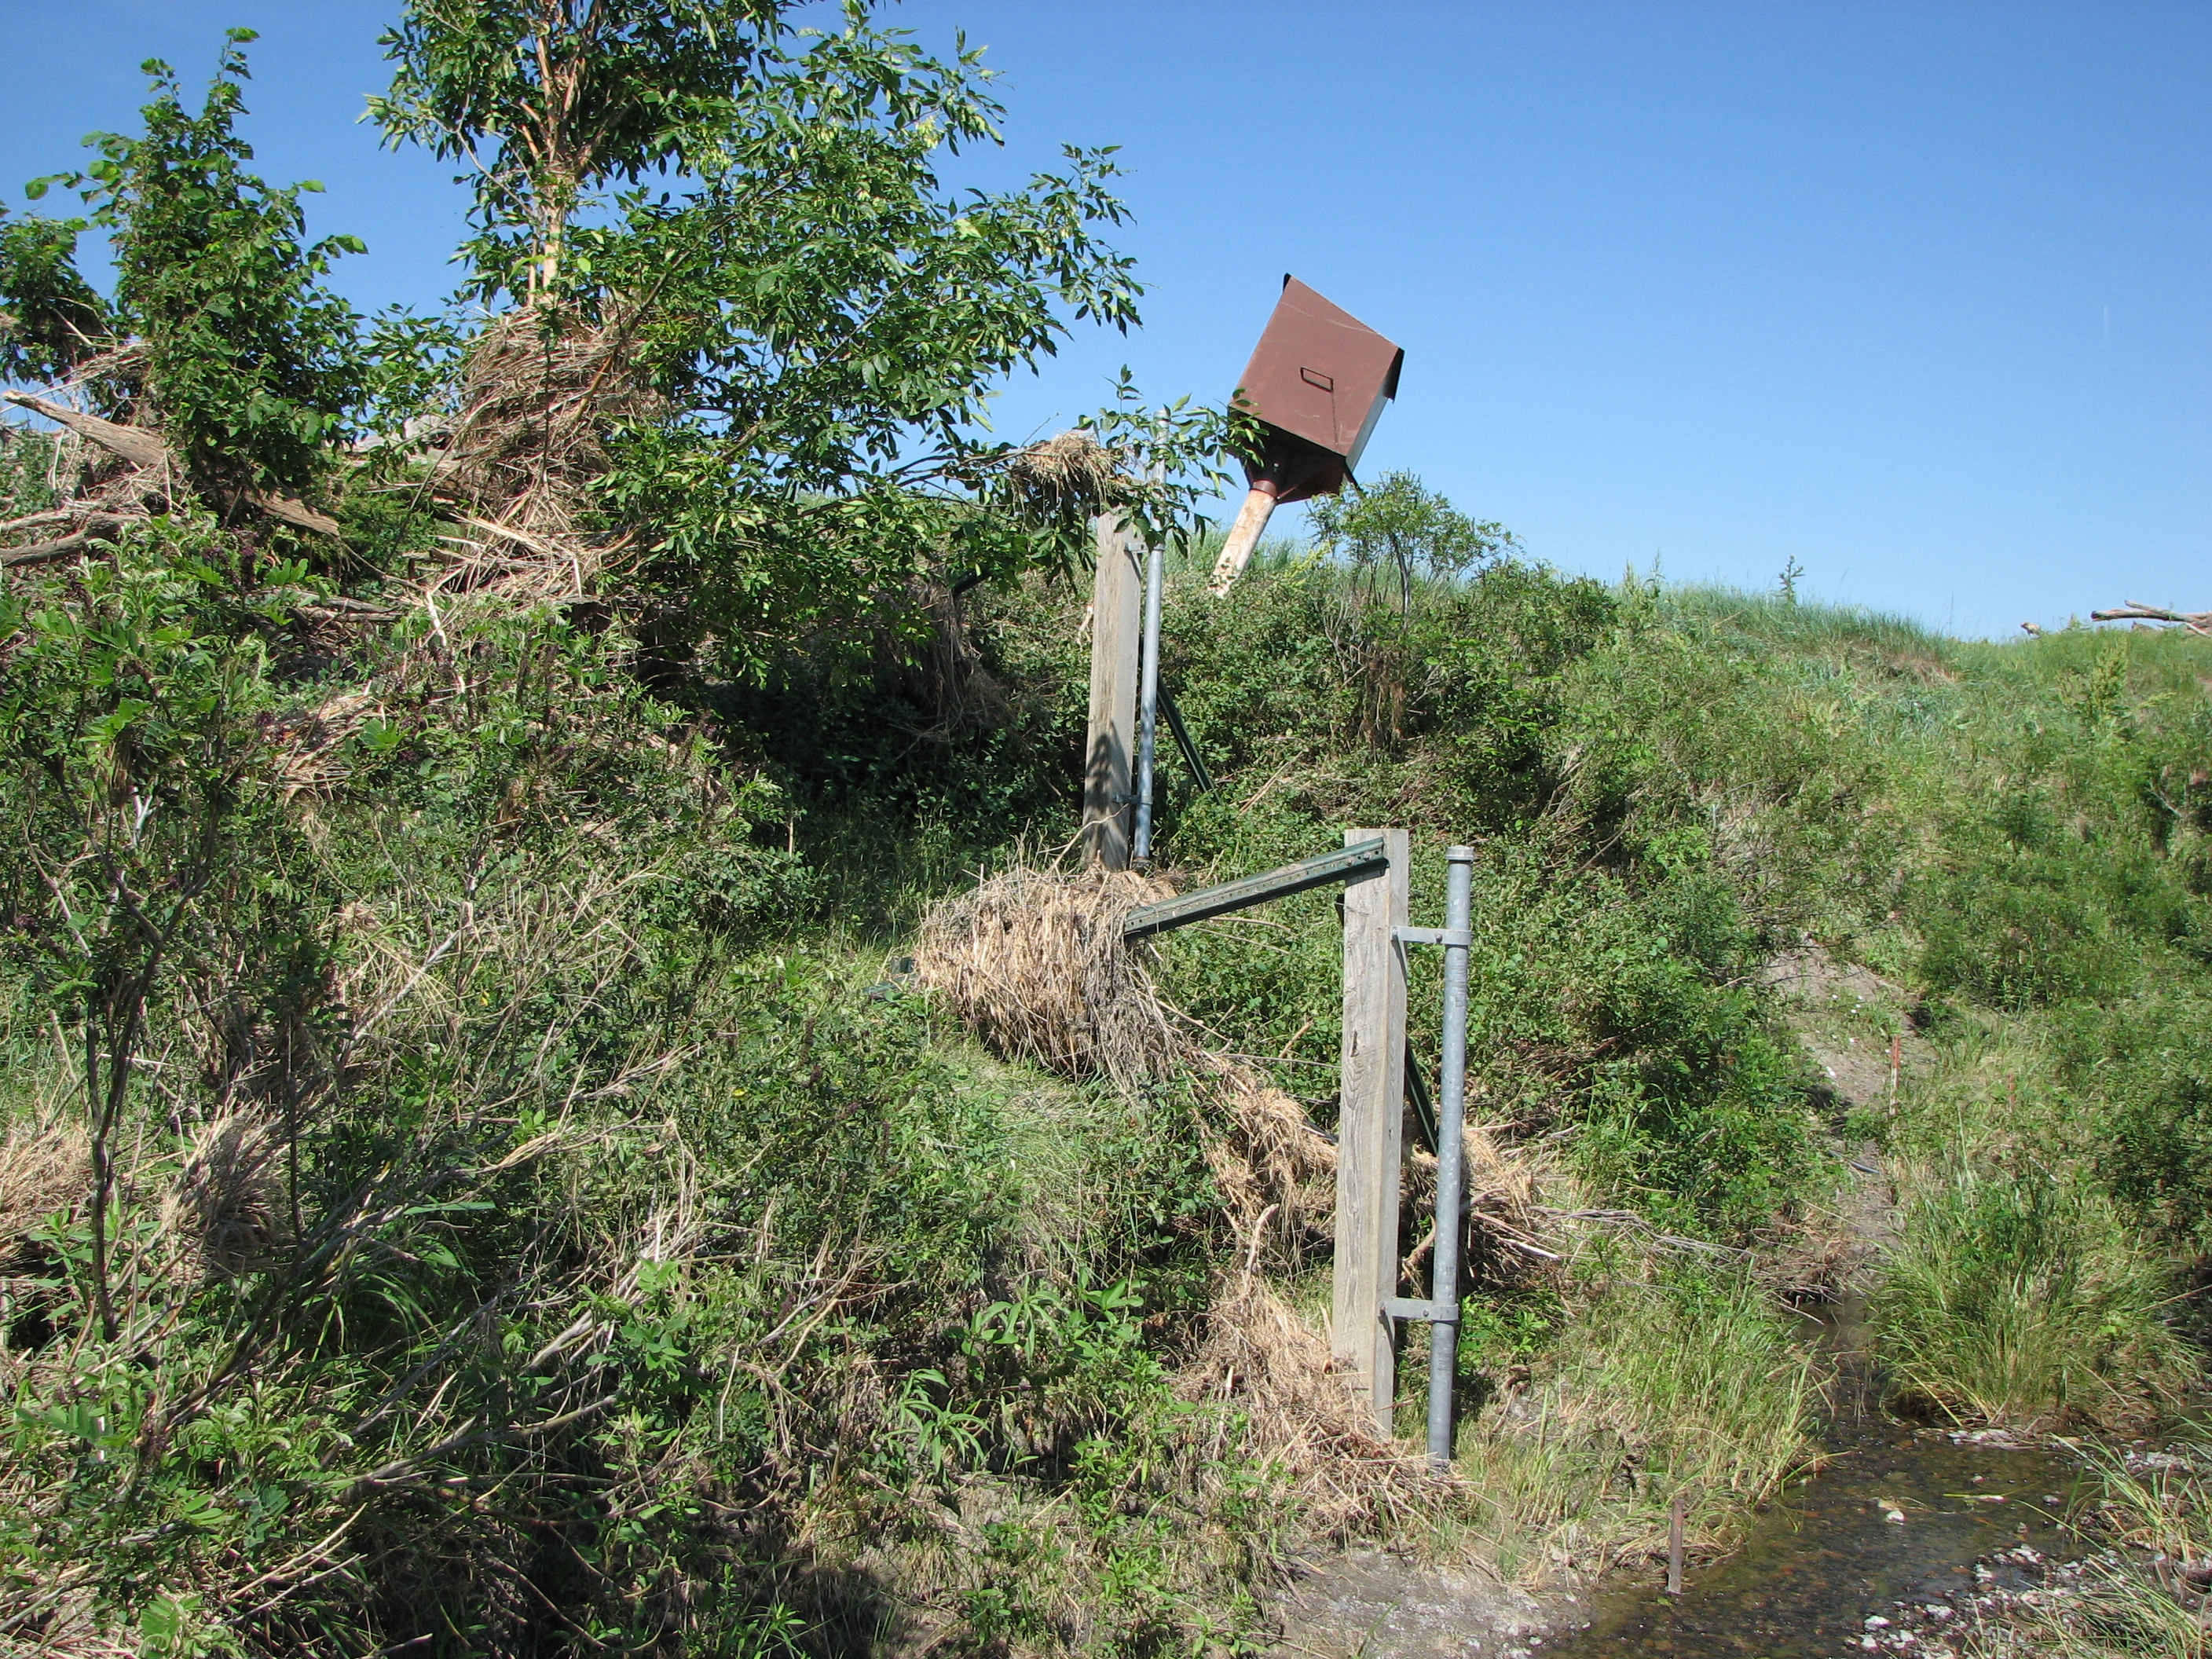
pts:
[1033, 962]
[1069, 477]
[44, 1169]
[1275, 1171]
[1271, 1366]
[226, 1214]
[539, 398]
[311, 747]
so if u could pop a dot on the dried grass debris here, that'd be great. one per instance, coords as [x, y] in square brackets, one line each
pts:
[311, 746]
[226, 1212]
[1071, 475]
[1275, 1369]
[1275, 1172]
[45, 1169]
[1033, 962]
[539, 399]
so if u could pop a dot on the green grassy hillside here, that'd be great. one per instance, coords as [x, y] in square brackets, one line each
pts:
[538, 1221]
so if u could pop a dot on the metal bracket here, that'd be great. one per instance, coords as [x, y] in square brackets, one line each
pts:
[1461, 936]
[1358, 862]
[1436, 1313]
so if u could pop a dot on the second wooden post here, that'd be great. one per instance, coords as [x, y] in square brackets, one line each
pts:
[1369, 1126]
[1110, 739]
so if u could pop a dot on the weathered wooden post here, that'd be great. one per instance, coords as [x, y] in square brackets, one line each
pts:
[1370, 1156]
[1370, 1121]
[1111, 737]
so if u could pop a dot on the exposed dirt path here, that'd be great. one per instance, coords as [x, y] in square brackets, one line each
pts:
[1369, 1604]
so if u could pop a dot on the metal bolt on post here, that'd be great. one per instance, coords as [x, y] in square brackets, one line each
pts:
[1451, 1162]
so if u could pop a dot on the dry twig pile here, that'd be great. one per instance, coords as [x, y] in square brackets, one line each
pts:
[1033, 961]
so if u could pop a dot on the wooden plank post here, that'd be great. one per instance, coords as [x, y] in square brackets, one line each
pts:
[1369, 1126]
[1115, 633]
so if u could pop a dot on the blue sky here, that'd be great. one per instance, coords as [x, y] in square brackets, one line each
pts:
[1918, 295]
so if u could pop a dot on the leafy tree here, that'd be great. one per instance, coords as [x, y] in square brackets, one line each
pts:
[251, 366]
[133, 743]
[821, 322]
[549, 99]
[1400, 524]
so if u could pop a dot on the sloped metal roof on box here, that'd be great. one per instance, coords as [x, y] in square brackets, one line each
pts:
[1320, 373]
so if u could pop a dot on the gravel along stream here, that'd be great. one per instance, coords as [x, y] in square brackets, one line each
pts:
[1900, 1534]
[1895, 1541]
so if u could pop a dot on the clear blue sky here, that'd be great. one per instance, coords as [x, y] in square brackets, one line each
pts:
[1917, 294]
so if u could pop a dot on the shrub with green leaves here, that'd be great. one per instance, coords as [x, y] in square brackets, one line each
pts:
[251, 366]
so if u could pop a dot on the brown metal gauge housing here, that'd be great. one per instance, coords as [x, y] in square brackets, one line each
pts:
[1316, 384]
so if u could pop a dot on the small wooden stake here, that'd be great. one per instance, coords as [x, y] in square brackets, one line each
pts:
[1116, 632]
[1675, 1547]
[1370, 1123]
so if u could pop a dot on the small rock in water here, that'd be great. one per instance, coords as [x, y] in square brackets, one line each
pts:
[1876, 1621]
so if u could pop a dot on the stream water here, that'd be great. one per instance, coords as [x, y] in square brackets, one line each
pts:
[1894, 1516]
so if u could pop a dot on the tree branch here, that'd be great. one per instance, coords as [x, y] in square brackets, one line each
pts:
[2196, 622]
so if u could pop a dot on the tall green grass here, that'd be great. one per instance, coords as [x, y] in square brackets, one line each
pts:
[2018, 1299]
[1686, 1384]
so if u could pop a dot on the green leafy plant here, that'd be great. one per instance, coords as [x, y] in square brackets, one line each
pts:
[252, 367]
[1400, 525]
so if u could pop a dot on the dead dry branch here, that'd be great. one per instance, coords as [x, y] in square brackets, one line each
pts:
[2194, 621]
[153, 475]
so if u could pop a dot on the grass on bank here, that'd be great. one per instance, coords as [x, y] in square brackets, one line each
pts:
[2018, 1297]
[1688, 1381]
[638, 1269]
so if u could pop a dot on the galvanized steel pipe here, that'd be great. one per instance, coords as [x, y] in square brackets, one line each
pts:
[1451, 1162]
[1148, 702]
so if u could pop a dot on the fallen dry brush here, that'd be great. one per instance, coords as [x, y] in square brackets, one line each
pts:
[1033, 961]
[539, 397]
